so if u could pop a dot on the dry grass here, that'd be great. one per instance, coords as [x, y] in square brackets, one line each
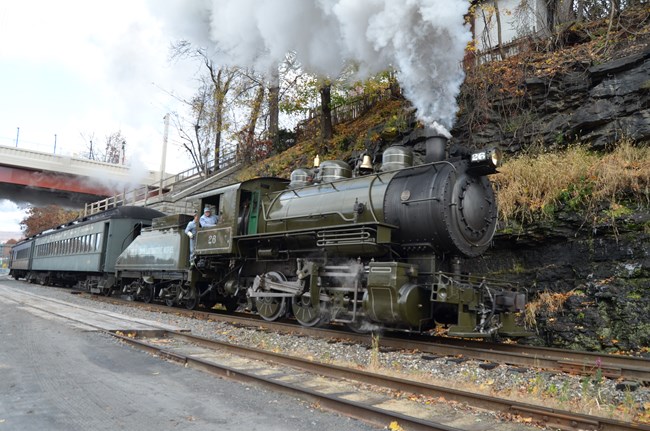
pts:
[547, 302]
[534, 186]
[625, 173]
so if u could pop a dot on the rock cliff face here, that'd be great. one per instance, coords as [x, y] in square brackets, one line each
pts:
[598, 105]
[600, 271]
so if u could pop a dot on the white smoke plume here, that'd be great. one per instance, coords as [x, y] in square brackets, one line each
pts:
[424, 40]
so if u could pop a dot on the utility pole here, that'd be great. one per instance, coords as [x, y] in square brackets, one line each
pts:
[164, 152]
[17, 135]
[55, 143]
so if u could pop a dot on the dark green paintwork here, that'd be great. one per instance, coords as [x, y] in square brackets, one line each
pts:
[156, 250]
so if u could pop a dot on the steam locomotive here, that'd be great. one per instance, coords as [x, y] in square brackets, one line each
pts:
[340, 243]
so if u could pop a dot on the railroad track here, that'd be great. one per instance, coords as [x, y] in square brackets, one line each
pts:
[328, 385]
[373, 397]
[574, 362]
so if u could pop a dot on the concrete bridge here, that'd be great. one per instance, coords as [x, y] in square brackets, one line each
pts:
[41, 178]
[36, 177]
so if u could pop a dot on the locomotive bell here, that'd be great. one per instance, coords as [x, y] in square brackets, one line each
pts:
[366, 163]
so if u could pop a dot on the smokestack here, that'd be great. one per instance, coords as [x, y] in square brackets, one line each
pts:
[435, 147]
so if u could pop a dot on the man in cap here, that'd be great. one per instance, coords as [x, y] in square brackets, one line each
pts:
[208, 219]
[190, 231]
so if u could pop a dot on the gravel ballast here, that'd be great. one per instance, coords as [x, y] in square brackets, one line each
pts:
[591, 394]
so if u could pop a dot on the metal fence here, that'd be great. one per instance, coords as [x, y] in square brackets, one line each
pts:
[143, 195]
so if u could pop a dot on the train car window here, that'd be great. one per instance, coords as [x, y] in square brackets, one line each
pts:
[99, 241]
[213, 202]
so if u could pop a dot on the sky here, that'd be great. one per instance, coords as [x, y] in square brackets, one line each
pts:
[80, 69]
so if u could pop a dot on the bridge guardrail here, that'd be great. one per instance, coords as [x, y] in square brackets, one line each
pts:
[65, 164]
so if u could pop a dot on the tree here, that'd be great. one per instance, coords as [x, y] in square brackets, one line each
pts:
[39, 219]
[274, 109]
[208, 108]
[247, 141]
[113, 148]
[499, 32]
[326, 128]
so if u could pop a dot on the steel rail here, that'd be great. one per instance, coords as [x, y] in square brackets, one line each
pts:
[358, 410]
[551, 359]
[551, 417]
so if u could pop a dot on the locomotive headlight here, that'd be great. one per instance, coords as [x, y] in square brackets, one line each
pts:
[485, 162]
[496, 157]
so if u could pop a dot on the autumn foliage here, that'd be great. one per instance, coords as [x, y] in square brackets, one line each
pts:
[39, 219]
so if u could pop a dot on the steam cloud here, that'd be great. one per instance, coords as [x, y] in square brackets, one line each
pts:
[424, 40]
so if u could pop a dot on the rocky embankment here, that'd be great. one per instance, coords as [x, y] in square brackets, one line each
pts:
[597, 105]
[589, 278]
[589, 283]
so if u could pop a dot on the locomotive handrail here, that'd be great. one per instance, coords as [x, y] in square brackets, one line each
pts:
[372, 204]
[453, 279]
[435, 198]
[268, 235]
[319, 215]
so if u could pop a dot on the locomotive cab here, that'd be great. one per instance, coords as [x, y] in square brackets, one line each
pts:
[240, 209]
